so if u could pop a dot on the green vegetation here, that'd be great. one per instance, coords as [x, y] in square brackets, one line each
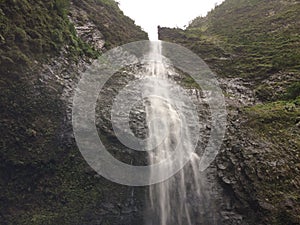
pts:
[113, 24]
[276, 118]
[258, 41]
[249, 39]
[189, 82]
[31, 31]
[277, 123]
[293, 91]
[44, 179]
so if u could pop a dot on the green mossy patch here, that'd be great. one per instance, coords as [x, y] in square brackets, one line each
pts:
[259, 42]
[33, 30]
[44, 179]
[116, 28]
[258, 38]
[276, 171]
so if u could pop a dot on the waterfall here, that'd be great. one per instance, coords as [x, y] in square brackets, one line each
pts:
[184, 198]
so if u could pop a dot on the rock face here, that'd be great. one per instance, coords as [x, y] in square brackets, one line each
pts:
[85, 28]
[46, 44]
[44, 179]
[257, 166]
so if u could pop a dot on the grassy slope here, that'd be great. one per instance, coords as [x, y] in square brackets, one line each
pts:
[113, 24]
[258, 38]
[43, 178]
[259, 41]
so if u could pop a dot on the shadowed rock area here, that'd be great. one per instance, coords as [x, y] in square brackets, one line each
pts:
[44, 47]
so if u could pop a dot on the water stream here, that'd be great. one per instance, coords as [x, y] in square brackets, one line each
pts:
[183, 199]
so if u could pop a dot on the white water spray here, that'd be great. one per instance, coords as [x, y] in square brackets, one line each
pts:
[182, 199]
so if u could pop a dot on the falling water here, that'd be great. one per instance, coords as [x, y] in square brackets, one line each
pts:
[184, 198]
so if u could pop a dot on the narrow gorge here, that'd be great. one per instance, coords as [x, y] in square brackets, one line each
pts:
[249, 49]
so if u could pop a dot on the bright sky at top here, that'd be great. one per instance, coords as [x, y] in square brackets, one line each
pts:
[166, 13]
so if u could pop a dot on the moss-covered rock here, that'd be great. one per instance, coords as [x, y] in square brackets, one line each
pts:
[43, 177]
[256, 42]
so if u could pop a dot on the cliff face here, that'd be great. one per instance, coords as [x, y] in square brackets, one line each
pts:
[44, 46]
[253, 46]
[248, 39]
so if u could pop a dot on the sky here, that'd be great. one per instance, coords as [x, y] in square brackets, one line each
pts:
[166, 13]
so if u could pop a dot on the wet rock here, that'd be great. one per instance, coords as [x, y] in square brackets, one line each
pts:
[222, 165]
[231, 218]
[226, 180]
[238, 93]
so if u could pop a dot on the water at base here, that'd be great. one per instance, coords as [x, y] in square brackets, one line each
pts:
[183, 199]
